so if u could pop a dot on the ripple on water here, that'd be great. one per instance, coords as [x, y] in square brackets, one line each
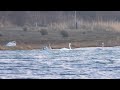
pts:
[71, 64]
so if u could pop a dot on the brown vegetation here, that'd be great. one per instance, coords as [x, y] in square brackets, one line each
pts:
[88, 34]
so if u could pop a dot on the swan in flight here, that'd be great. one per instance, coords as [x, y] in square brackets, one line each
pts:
[11, 44]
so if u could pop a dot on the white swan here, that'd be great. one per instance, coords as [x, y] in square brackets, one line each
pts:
[67, 48]
[11, 44]
[103, 44]
[50, 47]
[47, 48]
[69, 45]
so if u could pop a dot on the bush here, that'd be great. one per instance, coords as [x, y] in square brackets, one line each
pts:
[44, 32]
[1, 35]
[83, 32]
[25, 29]
[64, 33]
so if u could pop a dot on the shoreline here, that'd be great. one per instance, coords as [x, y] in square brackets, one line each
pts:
[53, 46]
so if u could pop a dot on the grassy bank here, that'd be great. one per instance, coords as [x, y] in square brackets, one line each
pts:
[88, 34]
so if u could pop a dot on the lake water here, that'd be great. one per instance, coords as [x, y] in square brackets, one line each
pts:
[81, 63]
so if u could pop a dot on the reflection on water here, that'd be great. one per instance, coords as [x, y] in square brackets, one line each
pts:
[61, 64]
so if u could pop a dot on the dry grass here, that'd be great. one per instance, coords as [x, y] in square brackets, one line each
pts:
[88, 34]
[87, 25]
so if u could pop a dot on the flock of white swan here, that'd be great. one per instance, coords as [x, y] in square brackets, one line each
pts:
[13, 44]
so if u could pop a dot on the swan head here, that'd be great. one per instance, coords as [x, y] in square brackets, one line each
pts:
[13, 41]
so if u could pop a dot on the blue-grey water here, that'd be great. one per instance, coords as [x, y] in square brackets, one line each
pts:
[82, 63]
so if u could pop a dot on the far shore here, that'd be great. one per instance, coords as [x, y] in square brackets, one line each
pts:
[37, 39]
[53, 46]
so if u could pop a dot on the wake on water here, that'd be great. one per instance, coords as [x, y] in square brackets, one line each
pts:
[89, 62]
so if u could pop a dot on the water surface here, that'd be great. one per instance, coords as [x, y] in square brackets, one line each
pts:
[82, 63]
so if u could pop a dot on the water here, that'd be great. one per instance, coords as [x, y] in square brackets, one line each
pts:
[81, 63]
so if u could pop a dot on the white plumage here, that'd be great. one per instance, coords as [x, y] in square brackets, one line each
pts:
[11, 44]
[67, 48]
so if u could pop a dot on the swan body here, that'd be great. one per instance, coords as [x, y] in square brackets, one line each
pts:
[67, 48]
[49, 48]
[64, 49]
[11, 44]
